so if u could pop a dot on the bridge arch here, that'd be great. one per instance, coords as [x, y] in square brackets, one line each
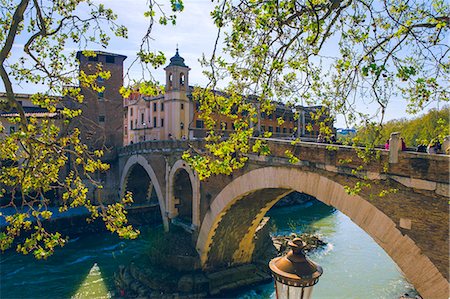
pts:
[182, 173]
[255, 192]
[154, 186]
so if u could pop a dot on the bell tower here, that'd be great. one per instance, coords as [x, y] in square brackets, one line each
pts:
[176, 99]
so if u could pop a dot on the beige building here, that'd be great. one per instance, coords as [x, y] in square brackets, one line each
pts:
[164, 116]
[175, 116]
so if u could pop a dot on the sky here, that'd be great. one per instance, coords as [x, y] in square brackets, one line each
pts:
[194, 34]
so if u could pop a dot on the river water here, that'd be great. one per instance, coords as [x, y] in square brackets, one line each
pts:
[354, 265]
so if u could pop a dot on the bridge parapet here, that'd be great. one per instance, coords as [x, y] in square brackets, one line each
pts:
[415, 170]
[415, 165]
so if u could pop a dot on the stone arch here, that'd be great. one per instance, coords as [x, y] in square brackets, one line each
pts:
[195, 186]
[154, 184]
[272, 183]
[139, 183]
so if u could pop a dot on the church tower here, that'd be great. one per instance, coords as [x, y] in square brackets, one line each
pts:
[176, 98]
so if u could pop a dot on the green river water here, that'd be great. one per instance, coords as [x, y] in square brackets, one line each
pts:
[354, 265]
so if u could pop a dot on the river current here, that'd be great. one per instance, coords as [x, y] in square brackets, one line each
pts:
[354, 265]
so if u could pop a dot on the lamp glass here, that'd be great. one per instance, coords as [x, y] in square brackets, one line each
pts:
[284, 291]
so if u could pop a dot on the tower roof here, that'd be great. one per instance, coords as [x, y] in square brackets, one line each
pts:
[177, 60]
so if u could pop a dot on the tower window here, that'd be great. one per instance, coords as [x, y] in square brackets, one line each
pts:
[182, 79]
[162, 122]
[154, 122]
[110, 59]
[182, 106]
[131, 111]
[170, 79]
[142, 118]
[131, 125]
[162, 106]
[154, 107]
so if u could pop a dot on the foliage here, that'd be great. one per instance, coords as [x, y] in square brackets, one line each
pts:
[33, 159]
[421, 130]
[224, 155]
[340, 54]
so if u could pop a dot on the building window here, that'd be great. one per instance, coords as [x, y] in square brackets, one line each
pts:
[100, 95]
[277, 129]
[291, 131]
[223, 125]
[270, 116]
[162, 106]
[270, 129]
[125, 131]
[131, 111]
[154, 107]
[263, 115]
[199, 124]
[101, 118]
[142, 118]
[110, 59]
[162, 122]
[131, 125]
[182, 79]
[93, 58]
[284, 130]
[182, 106]
[154, 122]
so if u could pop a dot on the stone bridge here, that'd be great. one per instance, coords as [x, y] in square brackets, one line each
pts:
[223, 212]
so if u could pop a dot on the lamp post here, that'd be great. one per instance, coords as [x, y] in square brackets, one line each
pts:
[294, 274]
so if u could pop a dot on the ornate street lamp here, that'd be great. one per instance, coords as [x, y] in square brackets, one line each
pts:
[294, 274]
